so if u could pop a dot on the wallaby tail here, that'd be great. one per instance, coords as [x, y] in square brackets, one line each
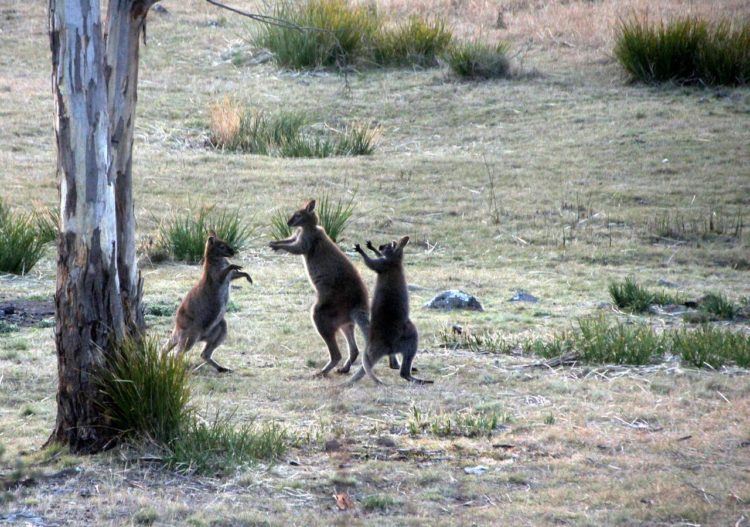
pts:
[365, 369]
[362, 319]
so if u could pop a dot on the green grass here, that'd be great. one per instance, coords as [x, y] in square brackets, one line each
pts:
[146, 392]
[217, 447]
[21, 242]
[480, 342]
[471, 424]
[478, 60]
[598, 341]
[47, 221]
[719, 306]
[279, 228]
[686, 51]
[335, 215]
[416, 41]
[630, 296]
[378, 502]
[184, 235]
[284, 134]
[711, 346]
[338, 33]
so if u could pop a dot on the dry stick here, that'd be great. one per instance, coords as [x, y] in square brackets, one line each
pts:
[280, 22]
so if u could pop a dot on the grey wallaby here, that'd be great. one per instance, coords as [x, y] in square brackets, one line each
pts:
[200, 316]
[391, 331]
[341, 294]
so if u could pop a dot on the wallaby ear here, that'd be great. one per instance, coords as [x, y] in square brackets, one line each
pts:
[310, 205]
[212, 236]
[402, 242]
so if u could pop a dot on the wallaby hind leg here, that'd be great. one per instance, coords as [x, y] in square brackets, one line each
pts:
[407, 346]
[326, 327]
[213, 340]
[351, 342]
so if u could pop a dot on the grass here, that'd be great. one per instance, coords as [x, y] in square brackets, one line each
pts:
[713, 224]
[284, 134]
[480, 342]
[339, 33]
[218, 447]
[414, 42]
[478, 60]
[22, 244]
[427, 180]
[599, 341]
[719, 306]
[147, 392]
[378, 502]
[712, 347]
[631, 296]
[465, 424]
[334, 216]
[184, 236]
[687, 51]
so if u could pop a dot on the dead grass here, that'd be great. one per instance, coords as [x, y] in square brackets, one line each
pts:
[576, 155]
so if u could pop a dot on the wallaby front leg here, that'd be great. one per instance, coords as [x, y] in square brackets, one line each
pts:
[376, 265]
[373, 249]
[242, 274]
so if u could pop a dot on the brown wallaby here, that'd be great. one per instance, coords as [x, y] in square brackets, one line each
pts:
[200, 316]
[341, 294]
[391, 331]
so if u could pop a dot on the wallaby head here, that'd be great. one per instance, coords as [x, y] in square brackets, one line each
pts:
[394, 252]
[304, 217]
[217, 248]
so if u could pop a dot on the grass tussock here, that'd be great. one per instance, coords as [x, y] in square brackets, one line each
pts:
[478, 342]
[687, 51]
[147, 392]
[712, 347]
[184, 235]
[632, 297]
[717, 305]
[147, 396]
[379, 502]
[415, 42]
[470, 424]
[217, 447]
[284, 134]
[334, 216]
[337, 33]
[22, 241]
[598, 341]
[714, 224]
[479, 60]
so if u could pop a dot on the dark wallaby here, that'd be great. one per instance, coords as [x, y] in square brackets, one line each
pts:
[341, 294]
[391, 331]
[200, 316]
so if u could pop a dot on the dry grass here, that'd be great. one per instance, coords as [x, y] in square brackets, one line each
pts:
[582, 164]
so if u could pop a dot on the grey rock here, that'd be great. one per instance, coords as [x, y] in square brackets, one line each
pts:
[415, 287]
[523, 296]
[477, 471]
[454, 299]
[158, 8]
[666, 283]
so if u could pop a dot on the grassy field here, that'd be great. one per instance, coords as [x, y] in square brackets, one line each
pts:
[555, 183]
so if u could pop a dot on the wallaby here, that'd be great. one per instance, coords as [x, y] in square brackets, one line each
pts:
[391, 331]
[200, 316]
[341, 294]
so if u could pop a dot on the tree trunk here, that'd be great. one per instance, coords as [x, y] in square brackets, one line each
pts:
[88, 304]
[126, 21]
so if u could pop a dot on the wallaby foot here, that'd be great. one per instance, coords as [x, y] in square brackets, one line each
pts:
[327, 368]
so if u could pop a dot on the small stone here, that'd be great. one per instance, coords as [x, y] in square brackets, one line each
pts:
[454, 299]
[477, 471]
[332, 445]
[523, 296]
[158, 8]
[415, 287]
[385, 441]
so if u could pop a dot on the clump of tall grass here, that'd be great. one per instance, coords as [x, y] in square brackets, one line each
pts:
[147, 397]
[712, 347]
[416, 41]
[329, 33]
[217, 447]
[598, 341]
[284, 134]
[631, 296]
[184, 235]
[686, 51]
[479, 342]
[21, 241]
[338, 33]
[718, 306]
[479, 60]
[334, 216]
[146, 392]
